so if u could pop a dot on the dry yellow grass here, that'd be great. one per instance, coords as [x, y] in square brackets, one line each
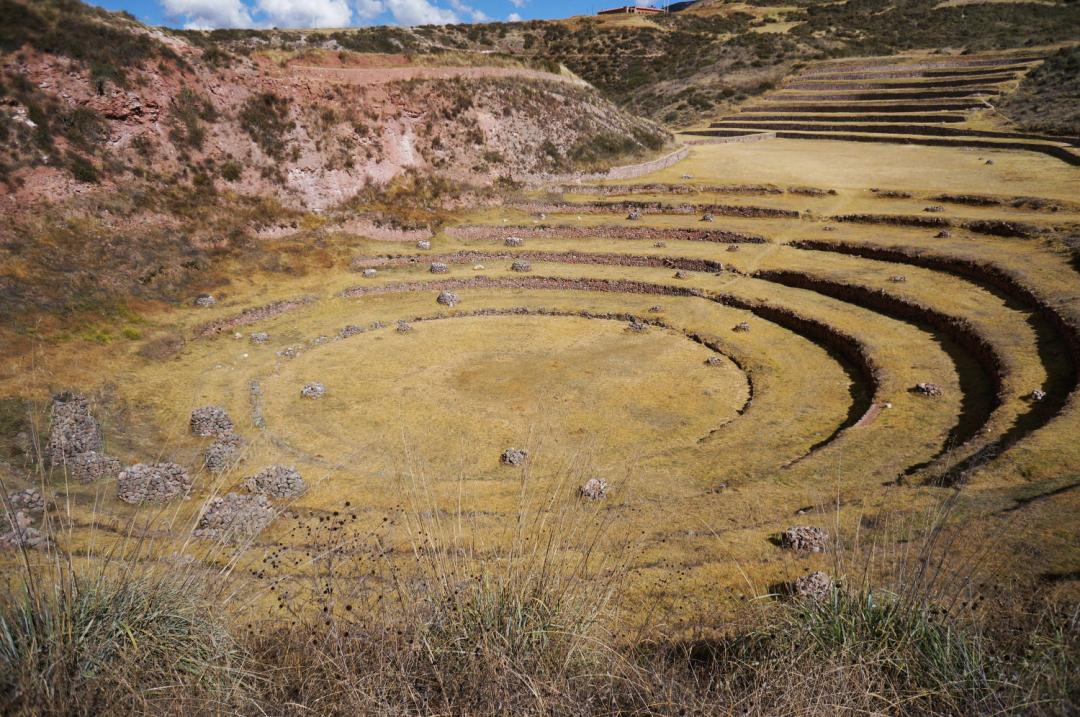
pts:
[699, 487]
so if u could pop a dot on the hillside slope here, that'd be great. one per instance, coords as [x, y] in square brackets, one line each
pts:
[690, 65]
[105, 98]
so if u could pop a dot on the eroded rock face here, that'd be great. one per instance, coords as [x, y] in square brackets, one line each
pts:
[927, 389]
[277, 482]
[223, 453]
[234, 517]
[211, 421]
[448, 298]
[313, 390]
[73, 429]
[152, 483]
[804, 539]
[594, 489]
[91, 466]
[815, 586]
[514, 456]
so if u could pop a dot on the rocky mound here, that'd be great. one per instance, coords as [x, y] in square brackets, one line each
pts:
[73, 429]
[805, 539]
[152, 483]
[234, 517]
[211, 421]
[277, 482]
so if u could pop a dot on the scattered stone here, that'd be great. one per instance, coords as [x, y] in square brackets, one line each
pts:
[237, 336]
[828, 228]
[660, 244]
[370, 273]
[594, 489]
[815, 586]
[290, 352]
[521, 265]
[376, 325]
[204, 301]
[73, 429]
[223, 453]
[637, 326]
[27, 500]
[733, 247]
[634, 215]
[514, 241]
[927, 389]
[92, 466]
[423, 244]
[656, 308]
[1038, 395]
[898, 279]
[681, 275]
[234, 517]
[403, 327]
[989, 161]
[313, 390]
[708, 218]
[741, 327]
[804, 539]
[934, 208]
[448, 298]
[260, 337]
[943, 234]
[438, 267]
[350, 330]
[713, 361]
[514, 456]
[152, 483]
[211, 421]
[22, 535]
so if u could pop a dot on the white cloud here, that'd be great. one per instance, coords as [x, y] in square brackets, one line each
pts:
[420, 12]
[519, 3]
[472, 13]
[306, 13]
[208, 14]
[513, 17]
[368, 9]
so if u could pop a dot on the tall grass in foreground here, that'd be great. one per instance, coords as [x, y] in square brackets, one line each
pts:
[115, 642]
[440, 614]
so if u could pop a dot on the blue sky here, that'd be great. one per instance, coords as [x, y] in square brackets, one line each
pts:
[338, 13]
